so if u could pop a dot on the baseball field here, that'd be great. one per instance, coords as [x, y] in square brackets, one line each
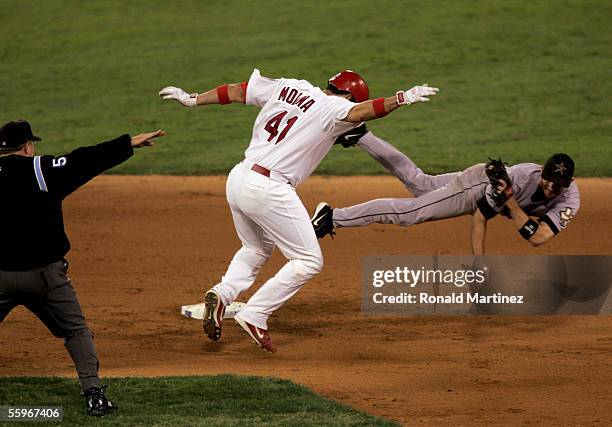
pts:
[518, 80]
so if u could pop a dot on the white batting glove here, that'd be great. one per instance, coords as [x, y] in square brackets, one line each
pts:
[416, 94]
[179, 95]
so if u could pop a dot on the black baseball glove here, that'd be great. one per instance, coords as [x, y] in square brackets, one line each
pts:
[350, 138]
[498, 177]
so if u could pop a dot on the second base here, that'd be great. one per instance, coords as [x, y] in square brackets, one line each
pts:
[196, 311]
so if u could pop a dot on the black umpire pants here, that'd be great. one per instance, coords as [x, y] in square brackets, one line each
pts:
[48, 293]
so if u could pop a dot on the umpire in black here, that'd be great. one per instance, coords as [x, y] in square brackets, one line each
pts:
[33, 243]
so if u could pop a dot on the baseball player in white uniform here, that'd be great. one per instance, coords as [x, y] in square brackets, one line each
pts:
[295, 129]
[548, 193]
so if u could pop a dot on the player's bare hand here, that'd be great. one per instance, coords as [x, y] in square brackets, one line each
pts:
[179, 95]
[416, 94]
[146, 139]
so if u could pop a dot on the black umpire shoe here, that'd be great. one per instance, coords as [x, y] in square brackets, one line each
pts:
[97, 404]
[322, 220]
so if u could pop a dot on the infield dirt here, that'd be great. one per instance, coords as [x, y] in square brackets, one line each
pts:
[144, 246]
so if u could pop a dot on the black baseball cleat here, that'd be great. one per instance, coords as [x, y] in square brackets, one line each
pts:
[322, 220]
[97, 403]
[214, 309]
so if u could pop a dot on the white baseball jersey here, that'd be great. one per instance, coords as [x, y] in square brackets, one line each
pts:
[296, 127]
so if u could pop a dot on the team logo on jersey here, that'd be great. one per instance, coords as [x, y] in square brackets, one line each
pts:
[560, 168]
[566, 216]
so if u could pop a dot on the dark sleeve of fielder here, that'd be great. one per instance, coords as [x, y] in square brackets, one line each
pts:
[62, 175]
[487, 205]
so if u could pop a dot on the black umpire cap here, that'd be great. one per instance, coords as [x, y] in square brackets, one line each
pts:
[559, 168]
[15, 133]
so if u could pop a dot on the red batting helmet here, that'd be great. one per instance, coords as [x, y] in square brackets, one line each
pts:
[351, 82]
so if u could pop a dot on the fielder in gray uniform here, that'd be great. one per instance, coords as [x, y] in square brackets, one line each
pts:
[547, 193]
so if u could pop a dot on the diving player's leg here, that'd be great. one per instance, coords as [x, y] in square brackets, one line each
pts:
[404, 212]
[456, 198]
[402, 166]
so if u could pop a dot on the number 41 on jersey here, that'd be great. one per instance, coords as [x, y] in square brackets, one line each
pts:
[273, 125]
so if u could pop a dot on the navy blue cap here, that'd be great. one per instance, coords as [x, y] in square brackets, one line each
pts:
[15, 133]
[559, 168]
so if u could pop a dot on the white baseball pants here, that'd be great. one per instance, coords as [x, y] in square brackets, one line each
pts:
[267, 212]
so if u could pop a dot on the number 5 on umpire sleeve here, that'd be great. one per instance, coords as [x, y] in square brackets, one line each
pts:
[58, 162]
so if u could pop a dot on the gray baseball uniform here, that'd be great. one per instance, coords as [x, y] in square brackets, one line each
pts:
[453, 194]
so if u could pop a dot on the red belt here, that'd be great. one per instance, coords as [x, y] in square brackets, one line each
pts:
[261, 170]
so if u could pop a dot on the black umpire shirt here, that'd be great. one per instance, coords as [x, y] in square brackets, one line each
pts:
[31, 193]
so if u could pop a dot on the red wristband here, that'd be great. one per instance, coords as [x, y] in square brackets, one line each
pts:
[223, 94]
[244, 88]
[379, 107]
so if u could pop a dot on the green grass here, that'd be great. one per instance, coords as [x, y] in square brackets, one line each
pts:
[518, 79]
[224, 400]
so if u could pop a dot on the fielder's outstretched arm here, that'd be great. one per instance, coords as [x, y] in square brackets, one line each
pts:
[380, 107]
[536, 233]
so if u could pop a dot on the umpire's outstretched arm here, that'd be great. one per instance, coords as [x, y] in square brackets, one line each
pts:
[62, 175]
